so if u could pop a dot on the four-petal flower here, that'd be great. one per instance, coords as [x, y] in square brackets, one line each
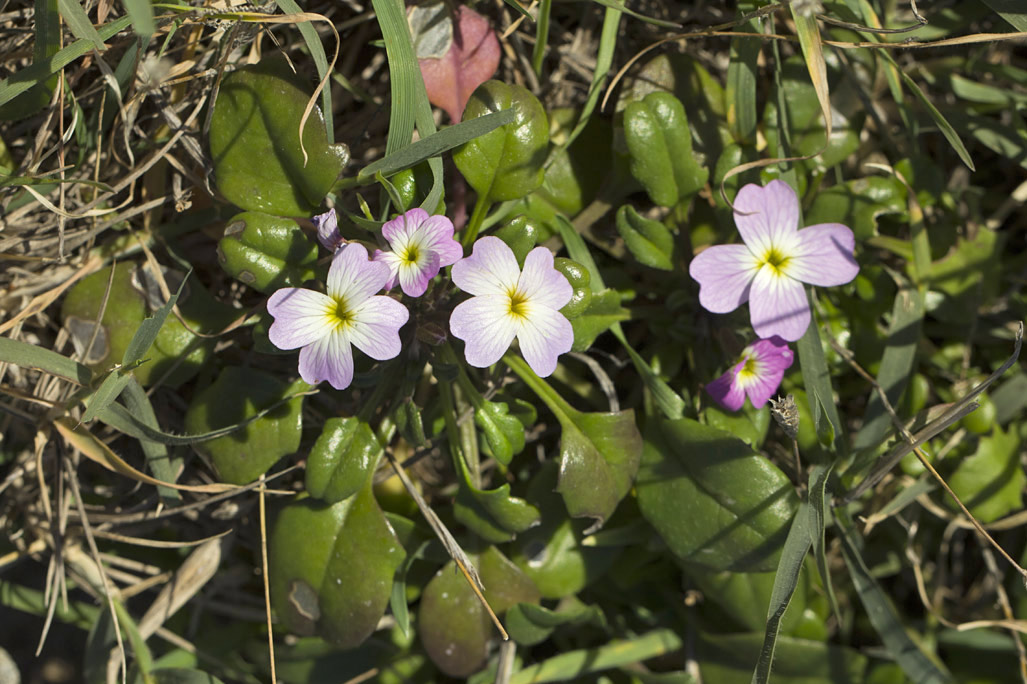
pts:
[324, 326]
[769, 269]
[756, 375]
[421, 246]
[508, 303]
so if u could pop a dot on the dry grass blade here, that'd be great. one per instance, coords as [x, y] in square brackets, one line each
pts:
[194, 573]
[266, 578]
[155, 544]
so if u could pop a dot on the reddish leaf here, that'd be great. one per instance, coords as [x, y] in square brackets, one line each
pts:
[469, 53]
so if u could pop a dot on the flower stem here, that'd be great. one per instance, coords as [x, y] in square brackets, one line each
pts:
[481, 207]
[557, 404]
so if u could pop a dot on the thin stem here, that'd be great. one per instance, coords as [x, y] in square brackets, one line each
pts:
[481, 207]
[549, 396]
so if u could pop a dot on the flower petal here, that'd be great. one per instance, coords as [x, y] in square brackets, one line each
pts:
[777, 305]
[414, 278]
[724, 273]
[404, 225]
[439, 237]
[541, 283]
[328, 234]
[823, 255]
[352, 277]
[767, 216]
[374, 328]
[544, 334]
[490, 270]
[485, 325]
[301, 317]
[725, 391]
[772, 354]
[329, 358]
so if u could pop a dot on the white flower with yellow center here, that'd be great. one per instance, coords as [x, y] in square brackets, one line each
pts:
[421, 246]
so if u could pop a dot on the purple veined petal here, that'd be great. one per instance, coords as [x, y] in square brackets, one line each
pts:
[414, 278]
[541, 283]
[375, 326]
[330, 358]
[760, 389]
[767, 216]
[404, 224]
[773, 354]
[352, 277]
[328, 234]
[726, 391]
[544, 334]
[824, 255]
[438, 232]
[490, 270]
[485, 325]
[391, 260]
[778, 305]
[724, 274]
[301, 317]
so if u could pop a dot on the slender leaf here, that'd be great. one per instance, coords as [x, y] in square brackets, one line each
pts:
[943, 125]
[740, 93]
[157, 457]
[141, 14]
[147, 331]
[882, 614]
[604, 58]
[317, 52]
[793, 553]
[79, 23]
[622, 7]
[818, 476]
[817, 380]
[38, 72]
[30, 356]
[436, 144]
[538, 53]
[1012, 11]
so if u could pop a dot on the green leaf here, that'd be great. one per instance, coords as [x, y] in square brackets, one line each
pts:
[740, 91]
[342, 460]
[749, 425]
[793, 553]
[79, 24]
[897, 365]
[693, 472]
[493, 514]
[332, 567]
[317, 52]
[603, 312]
[237, 394]
[146, 333]
[1010, 10]
[817, 379]
[453, 626]
[141, 14]
[506, 163]
[267, 252]
[991, 482]
[659, 143]
[520, 235]
[574, 665]
[47, 29]
[158, 460]
[881, 612]
[255, 144]
[503, 431]
[648, 241]
[858, 203]
[729, 657]
[181, 675]
[30, 356]
[530, 624]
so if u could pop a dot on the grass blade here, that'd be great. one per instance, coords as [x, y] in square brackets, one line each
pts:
[141, 14]
[818, 476]
[79, 24]
[1012, 11]
[541, 36]
[158, 460]
[317, 52]
[817, 379]
[30, 356]
[881, 612]
[793, 553]
[813, 52]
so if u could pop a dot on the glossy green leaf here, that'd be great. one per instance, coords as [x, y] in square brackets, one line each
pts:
[506, 163]
[648, 241]
[255, 144]
[881, 612]
[991, 481]
[659, 143]
[693, 472]
[580, 280]
[413, 185]
[342, 460]
[858, 203]
[603, 311]
[729, 658]
[267, 252]
[530, 624]
[332, 567]
[552, 554]
[749, 425]
[574, 174]
[238, 394]
[455, 630]
[520, 235]
[503, 431]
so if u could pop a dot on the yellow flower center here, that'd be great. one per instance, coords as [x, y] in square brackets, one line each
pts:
[518, 304]
[776, 260]
[410, 255]
[342, 316]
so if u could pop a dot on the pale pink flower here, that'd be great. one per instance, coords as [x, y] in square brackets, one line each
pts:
[757, 375]
[421, 246]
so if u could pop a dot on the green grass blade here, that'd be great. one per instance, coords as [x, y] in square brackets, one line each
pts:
[943, 125]
[79, 24]
[30, 356]
[604, 59]
[436, 144]
[317, 53]
[538, 53]
[1013, 11]
[817, 379]
[793, 553]
[896, 365]
[740, 93]
[141, 14]
[881, 612]
[158, 459]
[517, 6]
[818, 476]
[621, 7]
[19, 82]
[573, 665]
[148, 329]
[105, 395]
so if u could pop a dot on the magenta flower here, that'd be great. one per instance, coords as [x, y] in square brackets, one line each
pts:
[328, 234]
[323, 326]
[769, 269]
[756, 375]
[509, 303]
[421, 246]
